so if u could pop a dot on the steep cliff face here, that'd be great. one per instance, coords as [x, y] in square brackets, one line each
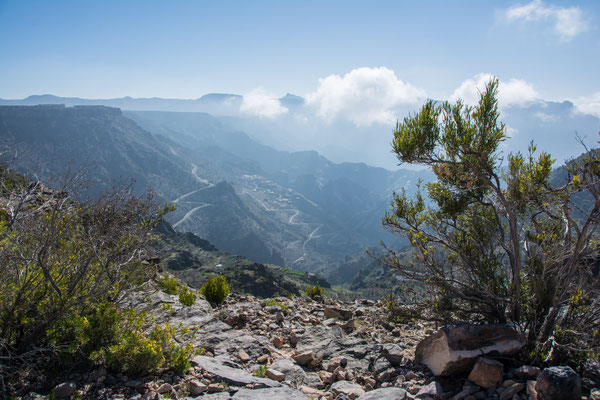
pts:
[50, 139]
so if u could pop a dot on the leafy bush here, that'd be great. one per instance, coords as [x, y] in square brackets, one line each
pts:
[313, 291]
[216, 289]
[119, 338]
[135, 354]
[273, 302]
[186, 296]
[60, 259]
[396, 312]
[169, 285]
[261, 371]
[176, 357]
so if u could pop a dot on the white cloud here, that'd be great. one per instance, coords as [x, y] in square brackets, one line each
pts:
[512, 92]
[363, 96]
[589, 104]
[567, 22]
[546, 117]
[262, 104]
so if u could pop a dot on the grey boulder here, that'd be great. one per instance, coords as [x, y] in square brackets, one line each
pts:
[454, 349]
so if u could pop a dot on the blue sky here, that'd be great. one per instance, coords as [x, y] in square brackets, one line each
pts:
[184, 49]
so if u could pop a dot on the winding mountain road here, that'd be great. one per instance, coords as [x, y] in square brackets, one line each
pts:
[189, 214]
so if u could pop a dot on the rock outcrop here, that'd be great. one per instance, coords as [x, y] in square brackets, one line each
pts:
[455, 349]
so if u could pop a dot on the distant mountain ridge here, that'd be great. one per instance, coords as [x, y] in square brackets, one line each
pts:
[204, 103]
[300, 125]
[293, 209]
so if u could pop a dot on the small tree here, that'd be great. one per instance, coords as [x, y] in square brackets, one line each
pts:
[496, 242]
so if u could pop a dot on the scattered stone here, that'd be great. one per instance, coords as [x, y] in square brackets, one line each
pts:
[165, 388]
[390, 393]
[348, 326]
[486, 373]
[243, 356]
[347, 388]
[134, 384]
[65, 389]
[293, 372]
[434, 389]
[97, 374]
[454, 349]
[531, 392]
[280, 393]
[558, 383]
[511, 390]
[326, 376]
[370, 381]
[215, 387]
[410, 375]
[233, 376]
[337, 312]
[312, 379]
[526, 372]
[294, 338]
[381, 365]
[275, 375]
[196, 387]
[262, 359]
[278, 342]
[393, 353]
[333, 364]
[304, 358]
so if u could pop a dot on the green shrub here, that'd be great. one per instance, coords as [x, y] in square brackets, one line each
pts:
[176, 357]
[273, 302]
[216, 289]
[119, 339]
[261, 371]
[313, 291]
[169, 285]
[186, 296]
[135, 354]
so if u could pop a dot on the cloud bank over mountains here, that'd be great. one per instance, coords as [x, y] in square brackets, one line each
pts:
[363, 96]
[376, 96]
[260, 103]
[351, 116]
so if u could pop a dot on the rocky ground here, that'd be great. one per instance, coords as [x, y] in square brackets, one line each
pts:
[304, 349]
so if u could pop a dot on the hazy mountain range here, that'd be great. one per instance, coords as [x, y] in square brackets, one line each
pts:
[232, 180]
[291, 123]
[292, 209]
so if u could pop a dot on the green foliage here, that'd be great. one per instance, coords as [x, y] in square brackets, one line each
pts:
[274, 302]
[169, 285]
[135, 354]
[60, 259]
[65, 267]
[261, 371]
[313, 291]
[395, 312]
[176, 357]
[495, 242]
[121, 340]
[216, 289]
[186, 297]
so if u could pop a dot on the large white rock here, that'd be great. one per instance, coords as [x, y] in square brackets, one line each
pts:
[454, 349]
